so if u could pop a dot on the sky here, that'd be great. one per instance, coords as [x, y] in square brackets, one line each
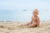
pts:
[13, 10]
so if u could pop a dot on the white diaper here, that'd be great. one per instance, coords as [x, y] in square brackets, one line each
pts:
[34, 23]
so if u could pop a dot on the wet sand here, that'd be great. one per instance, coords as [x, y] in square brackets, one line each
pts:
[13, 27]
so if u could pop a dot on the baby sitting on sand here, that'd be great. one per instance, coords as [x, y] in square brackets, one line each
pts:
[35, 20]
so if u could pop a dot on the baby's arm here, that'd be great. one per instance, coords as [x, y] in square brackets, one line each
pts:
[32, 20]
[38, 22]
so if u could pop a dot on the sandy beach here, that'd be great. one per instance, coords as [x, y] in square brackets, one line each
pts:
[13, 27]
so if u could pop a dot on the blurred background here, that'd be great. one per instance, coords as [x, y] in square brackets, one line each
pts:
[21, 10]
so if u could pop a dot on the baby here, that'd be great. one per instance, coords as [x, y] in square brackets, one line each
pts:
[35, 20]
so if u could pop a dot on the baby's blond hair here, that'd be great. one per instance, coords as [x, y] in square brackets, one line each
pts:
[35, 11]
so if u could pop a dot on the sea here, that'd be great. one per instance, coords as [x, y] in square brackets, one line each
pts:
[23, 15]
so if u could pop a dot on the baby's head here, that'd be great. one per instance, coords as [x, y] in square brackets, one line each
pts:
[35, 12]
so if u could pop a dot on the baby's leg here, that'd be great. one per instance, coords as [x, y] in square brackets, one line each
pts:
[32, 25]
[25, 24]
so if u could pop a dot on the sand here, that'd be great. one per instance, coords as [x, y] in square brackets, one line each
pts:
[13, 27]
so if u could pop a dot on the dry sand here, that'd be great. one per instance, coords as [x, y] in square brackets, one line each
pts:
[13, 27]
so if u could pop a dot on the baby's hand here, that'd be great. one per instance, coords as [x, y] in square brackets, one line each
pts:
[38, 26]
[22, 24]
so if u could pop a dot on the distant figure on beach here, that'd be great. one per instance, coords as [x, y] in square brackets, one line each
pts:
[35, 22]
